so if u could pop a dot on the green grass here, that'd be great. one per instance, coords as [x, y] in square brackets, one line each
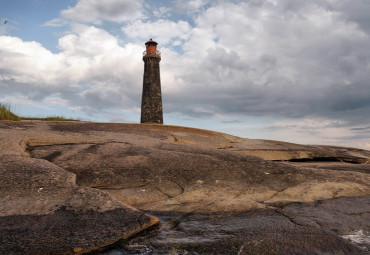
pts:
[6, 113]
[54, 118]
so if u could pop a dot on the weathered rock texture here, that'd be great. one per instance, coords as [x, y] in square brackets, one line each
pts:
[43, 211]
[211, 192]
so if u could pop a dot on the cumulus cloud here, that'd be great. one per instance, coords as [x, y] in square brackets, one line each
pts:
[164, 31]
[108, 10]
[189, 5]
[307, 62]
[276, 59]
[162, 12]
[253, 58]
[27, 62]
[91, 72]
[314, 131]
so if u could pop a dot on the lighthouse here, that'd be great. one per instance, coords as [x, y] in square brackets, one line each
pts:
[151, 102]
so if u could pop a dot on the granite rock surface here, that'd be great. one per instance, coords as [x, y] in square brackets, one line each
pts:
[76, 187]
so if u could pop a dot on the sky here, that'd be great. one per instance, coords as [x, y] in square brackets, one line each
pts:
[296, 71]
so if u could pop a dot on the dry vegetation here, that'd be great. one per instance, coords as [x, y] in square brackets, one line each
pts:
[7, 114]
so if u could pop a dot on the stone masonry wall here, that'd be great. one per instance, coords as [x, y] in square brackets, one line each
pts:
[151, 104]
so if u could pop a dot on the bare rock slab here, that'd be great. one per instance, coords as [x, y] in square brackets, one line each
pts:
[68, 188]
[43, 211]
[264, 231]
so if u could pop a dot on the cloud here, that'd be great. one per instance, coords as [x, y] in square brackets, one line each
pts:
[27, 62]
[92, 71]
[256, 58]
[354, 11]
[313, 131]
[161, 12]
[57, 22]
[274, 59]
[231, 121]
[189, 6]
[96, 11]
[285, 59]
[361, 129]
[164, 31]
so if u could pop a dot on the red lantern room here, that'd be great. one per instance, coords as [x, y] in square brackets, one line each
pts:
[151, 47]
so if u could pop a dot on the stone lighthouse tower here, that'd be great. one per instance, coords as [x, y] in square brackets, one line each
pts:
[151, 103]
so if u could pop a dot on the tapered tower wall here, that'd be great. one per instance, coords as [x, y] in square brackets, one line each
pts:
[151, 103]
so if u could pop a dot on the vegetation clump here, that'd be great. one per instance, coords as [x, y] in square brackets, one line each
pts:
[53, 118]
[6, 113]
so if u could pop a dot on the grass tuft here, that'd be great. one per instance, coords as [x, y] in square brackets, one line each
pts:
[6, 113]
[54, 118]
